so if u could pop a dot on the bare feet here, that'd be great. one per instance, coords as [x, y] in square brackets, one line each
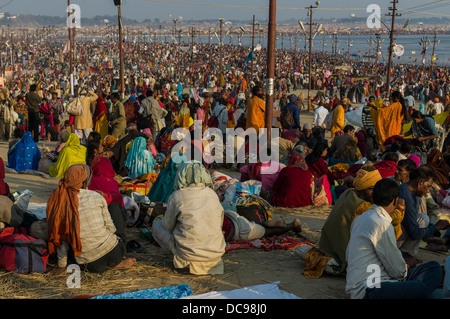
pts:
[437, 247]
[55, 271]
[411, 260]
[436, 240]
[126, 263]
[279, 222]
[297, 226]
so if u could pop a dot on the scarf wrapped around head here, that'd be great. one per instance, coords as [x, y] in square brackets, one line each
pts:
[298, 156]
[436, 161]
[365, 178]
[109, 142]
[147, 131]
[62, 209]
[415, 159]
[63, 135]
[192, 174]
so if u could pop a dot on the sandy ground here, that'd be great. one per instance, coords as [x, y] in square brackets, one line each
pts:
[243, 268]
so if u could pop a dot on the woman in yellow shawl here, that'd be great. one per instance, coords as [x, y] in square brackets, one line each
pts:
[183, 116]
[338, 119]
[72, 153]
[389, 118]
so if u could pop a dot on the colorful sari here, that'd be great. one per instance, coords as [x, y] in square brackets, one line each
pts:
[4, 187]
[72, 153]
[100, 117]
[389, 121]
[139, 161]
[103, 179]
[108, 141]
[183, 116]
[293, 185]
[164, 184]
[165, 141]
[47, 122]
[25, 155]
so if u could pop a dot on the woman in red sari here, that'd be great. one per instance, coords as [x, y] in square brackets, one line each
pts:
[100, 117]
[46, 111]
[103, 180]
[388, 165]
[4, 187]
[292, 187]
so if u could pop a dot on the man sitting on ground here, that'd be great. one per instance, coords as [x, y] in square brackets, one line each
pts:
[373, 247]
[416, 224]
[336, 230]
[341, 140]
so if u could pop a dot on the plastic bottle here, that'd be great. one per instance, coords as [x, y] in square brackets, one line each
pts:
[146, 234]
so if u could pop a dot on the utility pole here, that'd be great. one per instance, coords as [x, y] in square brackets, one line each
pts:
[349, 44]
[175, 30]
[221, 52]
[253, 49]
[434, 47]
[310, 11]
[260, 33]
[118, 4]
[391, 43]
[70, 48]
[192, 55]
[323, 42]
[378, 47]
[271, 49]
[209, 36]
[370, 48]
[424, 42]
[334, 43]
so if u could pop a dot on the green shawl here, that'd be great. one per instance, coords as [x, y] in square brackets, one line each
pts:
[336, 230]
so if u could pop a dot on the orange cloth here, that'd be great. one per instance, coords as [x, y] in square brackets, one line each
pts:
[389, 121]
[338, 120]
[315, 262]
[62, 210]
[256, 109]
[397, 216]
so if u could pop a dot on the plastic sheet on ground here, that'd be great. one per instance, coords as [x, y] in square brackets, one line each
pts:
[265, 291]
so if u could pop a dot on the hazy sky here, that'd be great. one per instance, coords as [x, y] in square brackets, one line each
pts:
[141, 9]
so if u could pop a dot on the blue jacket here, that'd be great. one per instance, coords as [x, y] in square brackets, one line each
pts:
[409, 223]
[295, 114]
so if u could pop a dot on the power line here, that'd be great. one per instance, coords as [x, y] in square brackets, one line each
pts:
[250, 7]
[7, 4]
[407, 11]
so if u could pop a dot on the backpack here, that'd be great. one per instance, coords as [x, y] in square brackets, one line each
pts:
[286, 118]
[75, 107]
[253, 212]
[242, 121]
[328, 121]
[214, 120]
[21, 253]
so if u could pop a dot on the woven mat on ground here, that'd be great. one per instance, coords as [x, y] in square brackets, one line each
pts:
[286, 241]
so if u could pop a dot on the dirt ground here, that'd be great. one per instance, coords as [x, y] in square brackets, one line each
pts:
[243, 268]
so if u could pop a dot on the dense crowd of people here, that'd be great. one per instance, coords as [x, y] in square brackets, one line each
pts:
[383, 179]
